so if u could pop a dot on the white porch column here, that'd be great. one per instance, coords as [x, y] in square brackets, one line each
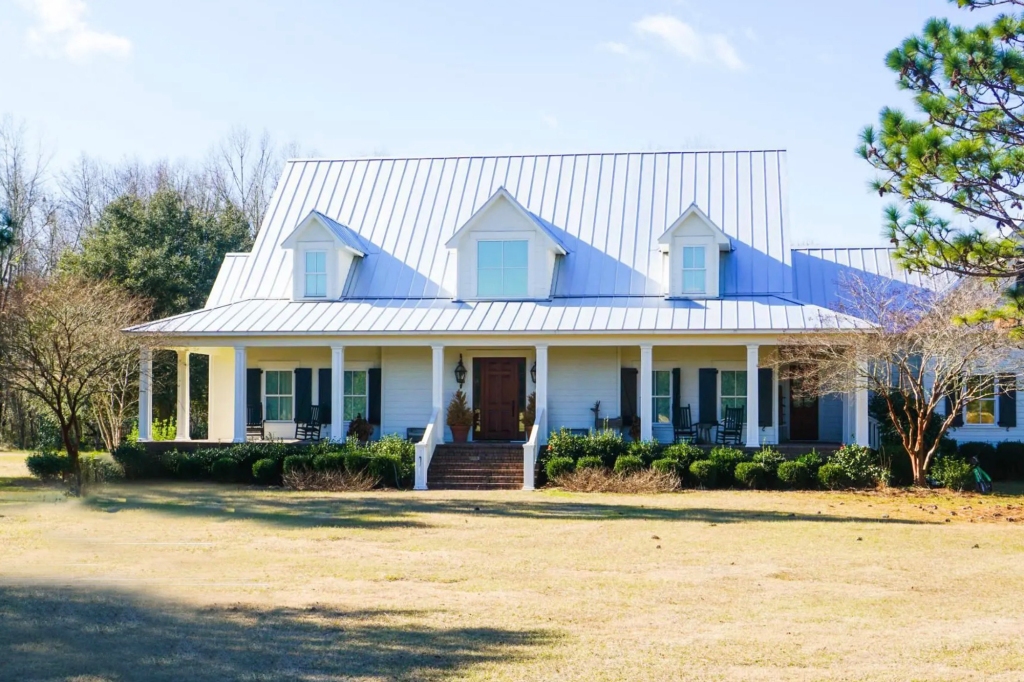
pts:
[860, 409]
[338, 394]
[240, 395]
[146, 395]
[542, 393]
[437, 391]
[646, 406]
[184, 416]
[753, 431]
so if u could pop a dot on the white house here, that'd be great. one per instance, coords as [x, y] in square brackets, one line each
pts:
[646, 281]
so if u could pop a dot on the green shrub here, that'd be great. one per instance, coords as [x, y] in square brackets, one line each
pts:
[387, 468]
[357, 459]
[794, 475]
[832, 476]
[628, 464]
[684, 453]
[705, 472]
[224, 469]
[137, 463]
[402, 452]
[48, 466]
[328, 461]
[985, 453]
[100, 469]
[266, 471]
[297, 463]
[1009, 462]
[558, 466]
[726, 459]
[859, 464]
[751, 475]
[608, 445]
[589, 463]
[666, 465]
[770, 459]
[646, 450]
[953, 473]
[813, 461]
[565, 444]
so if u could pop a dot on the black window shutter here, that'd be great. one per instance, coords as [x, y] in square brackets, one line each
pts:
[677, 394]
[373, 394]
[627, 395]
[764, 396]
[303, 393]
[708, 402]
[253, 388]
[958, 420]
[324, 394]
[1008, 400]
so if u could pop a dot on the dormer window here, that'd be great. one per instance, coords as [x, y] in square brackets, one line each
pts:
[502, 268]
[695, 274]
[316, 274]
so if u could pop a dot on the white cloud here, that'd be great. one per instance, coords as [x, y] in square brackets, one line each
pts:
[61, 29]
[685, 41]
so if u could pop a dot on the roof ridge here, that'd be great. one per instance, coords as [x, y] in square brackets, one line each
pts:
[428, 157]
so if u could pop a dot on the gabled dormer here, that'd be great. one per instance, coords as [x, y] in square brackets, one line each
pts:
[323, 252]
[693, 245]
[504, 252]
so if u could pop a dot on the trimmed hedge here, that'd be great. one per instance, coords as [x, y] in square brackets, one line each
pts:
[832, 476]
[628, 464]
[48, 466]
[705, 472]
[559, 466]
[589, 462]
[794, 475]
[752, 475]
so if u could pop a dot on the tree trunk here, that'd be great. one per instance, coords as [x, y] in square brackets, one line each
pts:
[917, 469]
[67, 432]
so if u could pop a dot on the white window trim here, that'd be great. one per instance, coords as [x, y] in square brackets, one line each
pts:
[704, 291]
[306, 273]
[721, 396]
[655, 396]
[263, 389]
[365, 395]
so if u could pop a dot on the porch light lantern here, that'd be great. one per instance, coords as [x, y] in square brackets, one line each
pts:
[533, 372]
[460, 372]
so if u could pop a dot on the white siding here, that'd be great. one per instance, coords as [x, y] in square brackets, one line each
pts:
[405, 389]
[578, 377]
[830, 418]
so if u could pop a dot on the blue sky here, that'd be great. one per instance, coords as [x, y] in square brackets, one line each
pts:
[117, 78]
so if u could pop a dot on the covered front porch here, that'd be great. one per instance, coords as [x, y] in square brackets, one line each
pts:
[403, 387]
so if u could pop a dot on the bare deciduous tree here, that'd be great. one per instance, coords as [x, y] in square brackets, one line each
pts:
[243, 170]
[61, 343]
[918, 355]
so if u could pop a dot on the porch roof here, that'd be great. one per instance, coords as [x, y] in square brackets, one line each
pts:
[613, 314]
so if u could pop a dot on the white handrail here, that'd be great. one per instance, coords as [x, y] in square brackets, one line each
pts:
[531, 449]
[425, 451]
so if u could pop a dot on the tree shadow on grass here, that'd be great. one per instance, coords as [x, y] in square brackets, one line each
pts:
[51, 633]
[383, 510]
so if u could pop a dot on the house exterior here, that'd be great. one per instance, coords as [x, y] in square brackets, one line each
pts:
[646, 282]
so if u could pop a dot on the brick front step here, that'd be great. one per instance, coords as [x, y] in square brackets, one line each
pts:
[476, 466]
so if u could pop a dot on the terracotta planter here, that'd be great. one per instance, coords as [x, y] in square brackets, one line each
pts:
[460, 432]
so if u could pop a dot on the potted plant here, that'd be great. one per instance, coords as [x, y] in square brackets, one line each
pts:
[460, 417]
[361, 429]
[530, 413]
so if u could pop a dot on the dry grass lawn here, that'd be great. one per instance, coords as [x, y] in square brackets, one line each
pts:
[203, 582]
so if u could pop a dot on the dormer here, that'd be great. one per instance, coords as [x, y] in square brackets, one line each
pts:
[693, 245]
[323, 252]
[504, 252]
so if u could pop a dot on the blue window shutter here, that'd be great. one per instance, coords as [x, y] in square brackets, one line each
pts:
[373, 395]
[765, 384]
[958, 420]
[303, 393]
[708, 402]
[627, 395]
[324, 394]
[253, 387]
[1008, 400]
[677, 394]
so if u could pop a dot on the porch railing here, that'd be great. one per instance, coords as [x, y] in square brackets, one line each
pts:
[425, 451]
[531, 449]
[874, 433]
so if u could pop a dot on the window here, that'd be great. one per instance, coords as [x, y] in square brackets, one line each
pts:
[501, 268]
[355, 394]
[694, 271]
[662, 397]
[981, 410]
[734, 390]
[316, 274]
[279, 395]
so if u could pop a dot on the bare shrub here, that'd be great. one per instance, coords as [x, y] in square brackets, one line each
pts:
[593, 480]
[337, 480]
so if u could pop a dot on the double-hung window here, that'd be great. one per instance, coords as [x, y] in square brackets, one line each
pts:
[279, 395]
[316, 274]
[981, 410]
[734, 389]
[694, 270]
[662, 407]
[502, 268]
[355, 394]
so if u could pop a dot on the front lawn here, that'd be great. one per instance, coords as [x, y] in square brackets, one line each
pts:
[207, 582]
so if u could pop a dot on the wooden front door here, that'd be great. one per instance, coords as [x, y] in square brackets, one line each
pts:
[803, 415]
[499, 398]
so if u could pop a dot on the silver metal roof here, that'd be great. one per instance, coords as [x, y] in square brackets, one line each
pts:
[617, 314]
